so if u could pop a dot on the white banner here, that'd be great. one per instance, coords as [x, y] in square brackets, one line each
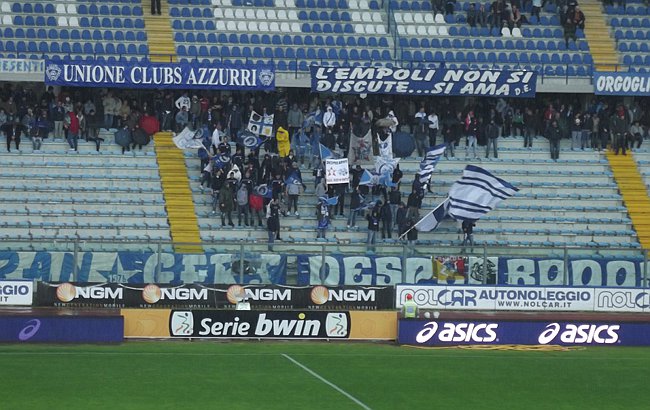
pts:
[16, 292]
[503, 298]
[185, 139]
[622, 300]
[337, 171]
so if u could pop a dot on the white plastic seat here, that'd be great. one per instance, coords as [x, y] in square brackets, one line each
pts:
[366, 17]
[422, 30]
[290, 4]
[63, 22]
[282, 15]
[229, 13]
[418, 18]
[401, 30]
[241, 26]
[250, 14]
[218, 13]
[239, 14]
[370, 29]
[231, 26]
[263, 26]
[380, 29]
[221, 25]
[428, 18]
[260, 14]
[292, 15]
[353, 4]
[516, 32]
[363, 5]
[360, 29]
[60, 9]
[356, 16]
[442, 31]
[505, 32]
[408, 18]
[5, 7]
[279, 4]
[271, 15]
[432, 30]
[72, 9]
[216, 2]
[376, 17]
[411, 31]
[73, 21]
[252, 26]
[295, 28]
[274, 27]
[440, 19]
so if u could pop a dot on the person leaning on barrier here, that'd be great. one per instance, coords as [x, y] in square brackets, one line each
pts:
[409, 308]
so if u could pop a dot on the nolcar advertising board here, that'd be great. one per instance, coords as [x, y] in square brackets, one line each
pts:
[499, 332]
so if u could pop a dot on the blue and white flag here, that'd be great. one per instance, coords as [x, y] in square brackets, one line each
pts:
[326, 153]
[387, 181]
[429, 162]
[249, 140]
[264, 191]
[329, 201]
[476, 193]
[292, 179]
[260, 125]
[221, 161]
[432, 220]
[385, 165]
[366, 178]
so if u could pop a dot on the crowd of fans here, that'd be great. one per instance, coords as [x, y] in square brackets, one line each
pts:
[390, 211]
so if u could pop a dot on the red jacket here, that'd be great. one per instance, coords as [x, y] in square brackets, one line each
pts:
[74, 123]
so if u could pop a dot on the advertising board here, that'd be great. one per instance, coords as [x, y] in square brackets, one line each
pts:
[198, 296]
[61, 329]
[228, 324]
[499, 332]
[16, 292]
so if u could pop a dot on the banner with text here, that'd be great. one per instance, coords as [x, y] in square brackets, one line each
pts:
[228, 324]
[438, 81]
[160, 75]
[613, 83]
[509, 298]
[498, 332]
[21, 66]
[337, 171]
[200, 296]
[16, 292]
[141, 267]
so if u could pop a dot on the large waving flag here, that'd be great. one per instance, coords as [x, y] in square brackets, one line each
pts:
[249, 140]
[431, 220]
[476, 193]
[329, 201]
[221, 161]
[366, 178]
[429, 162]
[260, 125]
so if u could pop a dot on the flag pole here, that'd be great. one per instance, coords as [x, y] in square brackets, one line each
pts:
[417, 223]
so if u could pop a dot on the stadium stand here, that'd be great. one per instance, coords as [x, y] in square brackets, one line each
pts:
[631, 29]
[78, 30]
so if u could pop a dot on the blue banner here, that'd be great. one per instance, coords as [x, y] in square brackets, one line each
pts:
[160, 75]
[495, 332]
[140, 267]
[452, 270]
[61, 329]
[438, 81]
[612, 83]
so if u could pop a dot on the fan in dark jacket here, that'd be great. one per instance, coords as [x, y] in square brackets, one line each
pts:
[386, 221]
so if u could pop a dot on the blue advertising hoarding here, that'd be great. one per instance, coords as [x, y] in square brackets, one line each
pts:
[160, 75]
[615, 83]
[61, 329]
[424, 81]
[500, 332]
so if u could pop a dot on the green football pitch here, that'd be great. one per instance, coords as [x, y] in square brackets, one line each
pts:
[318, 375]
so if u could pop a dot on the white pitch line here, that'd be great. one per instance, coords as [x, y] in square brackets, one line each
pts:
[327, 382]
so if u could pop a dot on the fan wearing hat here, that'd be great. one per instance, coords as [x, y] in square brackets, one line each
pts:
[409, 308]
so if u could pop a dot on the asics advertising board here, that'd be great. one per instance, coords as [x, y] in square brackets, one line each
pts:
[499, 332]
[61, 329]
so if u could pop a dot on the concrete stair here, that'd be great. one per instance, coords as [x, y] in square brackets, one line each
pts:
[601, 43]
[159, 34]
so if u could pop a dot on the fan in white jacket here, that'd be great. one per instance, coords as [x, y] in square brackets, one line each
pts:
[391, 116]
[183, 101]
[329, 118]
